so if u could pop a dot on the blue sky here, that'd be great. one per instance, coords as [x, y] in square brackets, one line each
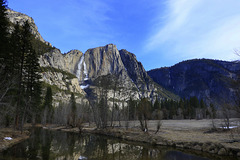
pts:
[160, 32]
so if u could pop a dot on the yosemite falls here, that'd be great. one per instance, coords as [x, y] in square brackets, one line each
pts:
[82, 73]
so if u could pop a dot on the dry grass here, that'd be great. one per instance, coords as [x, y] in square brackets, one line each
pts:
[14, 134]
[199, 131]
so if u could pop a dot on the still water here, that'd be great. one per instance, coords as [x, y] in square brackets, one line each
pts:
[57, 145]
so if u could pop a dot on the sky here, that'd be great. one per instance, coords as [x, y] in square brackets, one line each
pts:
[159, 32]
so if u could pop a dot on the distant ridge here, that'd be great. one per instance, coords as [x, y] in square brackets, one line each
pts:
[210, 80]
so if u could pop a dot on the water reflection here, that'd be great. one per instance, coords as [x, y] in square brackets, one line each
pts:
[56, 145]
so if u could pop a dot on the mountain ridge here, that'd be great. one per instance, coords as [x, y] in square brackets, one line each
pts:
[211, 80]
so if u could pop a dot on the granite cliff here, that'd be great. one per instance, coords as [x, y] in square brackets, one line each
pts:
[106, 62]
[20, 18]
[210, 80]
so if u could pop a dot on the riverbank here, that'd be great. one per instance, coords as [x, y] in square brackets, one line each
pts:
[10, 137]
[187, 134]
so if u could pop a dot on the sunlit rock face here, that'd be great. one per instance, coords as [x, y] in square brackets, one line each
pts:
[67, 62]
[140, 78]
[20, 18]
[210, 80]
[62, 81]
[102, 61]
[107, 63]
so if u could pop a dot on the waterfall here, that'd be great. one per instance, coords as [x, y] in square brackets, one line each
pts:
[80, 67]
[80, 74]
[85, 71]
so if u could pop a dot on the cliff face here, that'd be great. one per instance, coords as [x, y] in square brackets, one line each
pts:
[108, 62]
[98, 62]
[67, 62]
[20, 18]
[141, 79]
[105, 63]
[210, 80]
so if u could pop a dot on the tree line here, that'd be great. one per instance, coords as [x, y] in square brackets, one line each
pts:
[108, 110]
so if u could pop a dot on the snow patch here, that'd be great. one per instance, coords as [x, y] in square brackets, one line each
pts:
[84, 86]
[7, 138]
[82, 157]
[230, 127]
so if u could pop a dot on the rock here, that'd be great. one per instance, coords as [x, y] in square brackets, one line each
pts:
[187, 145]
[20, 18]
[105, 62]
[197, 147]
[180, 145]
[67, 62]
[140, 77]
[238, 154]
[222, 152]
[209, 147]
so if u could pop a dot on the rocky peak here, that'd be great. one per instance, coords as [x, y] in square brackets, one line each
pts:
[20, 18]
[134, 68]
[73, 52]
[102, 61]
[67, 62]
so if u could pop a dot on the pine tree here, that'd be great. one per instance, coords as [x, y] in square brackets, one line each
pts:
[48, 107]
[73, 109]
[156, 105]
[15, 49]
[26, 61]
[4, 40]
[103, 112]
[131, 109]
[213, 111]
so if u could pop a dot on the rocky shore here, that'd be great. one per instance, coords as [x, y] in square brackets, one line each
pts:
[219, 142]
[223, 149]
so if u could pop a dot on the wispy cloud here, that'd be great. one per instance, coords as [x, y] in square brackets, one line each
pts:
[198, 29]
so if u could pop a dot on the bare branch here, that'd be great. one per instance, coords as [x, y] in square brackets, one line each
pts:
[237, 52]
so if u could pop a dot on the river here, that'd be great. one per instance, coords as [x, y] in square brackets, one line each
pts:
[58, 145]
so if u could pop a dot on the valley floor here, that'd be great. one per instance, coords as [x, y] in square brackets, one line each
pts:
[188, 134]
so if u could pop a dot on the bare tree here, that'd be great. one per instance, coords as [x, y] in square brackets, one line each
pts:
[212, 112]
[159, 121]
[237, 52]
[6, 100]
[226, 114]
[144, 108]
